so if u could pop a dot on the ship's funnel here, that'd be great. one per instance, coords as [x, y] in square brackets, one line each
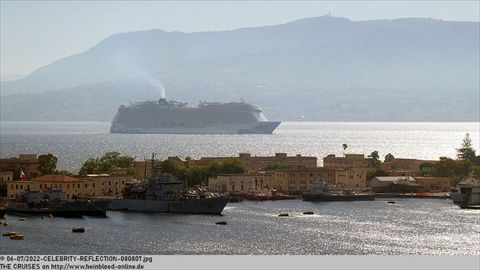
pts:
[157, 85]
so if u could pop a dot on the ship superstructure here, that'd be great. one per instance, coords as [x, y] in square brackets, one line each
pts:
[164, 116]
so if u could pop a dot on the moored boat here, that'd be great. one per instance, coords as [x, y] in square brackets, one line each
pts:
[53, 203]
[467, 194]
[321, 191]
[260, 195]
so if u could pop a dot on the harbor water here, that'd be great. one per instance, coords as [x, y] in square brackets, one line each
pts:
[75, 142]
[410, 226]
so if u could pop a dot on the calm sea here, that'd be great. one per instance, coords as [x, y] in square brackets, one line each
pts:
[410, 226]
[74, 142]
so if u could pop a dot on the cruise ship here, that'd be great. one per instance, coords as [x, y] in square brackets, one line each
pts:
[172, 117]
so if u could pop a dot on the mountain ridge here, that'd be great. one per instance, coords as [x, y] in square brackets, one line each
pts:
[298, 65]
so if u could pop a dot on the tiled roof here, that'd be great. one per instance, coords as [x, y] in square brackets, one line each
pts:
[55, 178]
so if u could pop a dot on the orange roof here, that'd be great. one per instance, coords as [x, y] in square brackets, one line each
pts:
[55, 178]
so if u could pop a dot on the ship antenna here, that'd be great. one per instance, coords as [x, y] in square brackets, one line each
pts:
[145, 167]
[153, 164]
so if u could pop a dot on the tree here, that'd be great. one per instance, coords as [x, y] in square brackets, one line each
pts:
[233, 166]
[344, 146]
[169, 166]
[47, 164]
[89, 166]
[374, 159]
[389, 157]
[107, 163]
[466, 152]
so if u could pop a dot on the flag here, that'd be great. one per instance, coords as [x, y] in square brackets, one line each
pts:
[22, 175]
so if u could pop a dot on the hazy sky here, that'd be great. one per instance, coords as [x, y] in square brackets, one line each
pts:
[34, 34]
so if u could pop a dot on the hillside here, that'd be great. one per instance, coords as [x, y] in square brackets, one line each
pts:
[325, 68]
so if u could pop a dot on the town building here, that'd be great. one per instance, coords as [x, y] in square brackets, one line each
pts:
[405, 165]
[347, 161]
[241, 182]
[395, 184]
[102, 185]
[6, 176]
[435, 184]
[28, 163]
[260, 163]
[290, 181]
[253, 164]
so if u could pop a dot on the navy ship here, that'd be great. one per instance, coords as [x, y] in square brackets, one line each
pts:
[172, 117]
[164, 193]
[35, 202]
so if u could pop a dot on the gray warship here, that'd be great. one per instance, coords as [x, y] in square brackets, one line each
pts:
[164, 193]
[172, 117]
[53, 202]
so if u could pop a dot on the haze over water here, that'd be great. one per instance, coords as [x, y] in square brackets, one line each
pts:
[74, 142]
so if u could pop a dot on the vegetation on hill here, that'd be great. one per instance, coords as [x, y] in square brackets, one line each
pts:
[198, 175]
[107, 164]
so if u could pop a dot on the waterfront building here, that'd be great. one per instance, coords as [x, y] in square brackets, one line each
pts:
[241, 182]
[435, 184]
[395, 184]
[301, 180]
[355, 178]
[102, 185]
[404, 165]
[260, 163]
[253, 164]
[106, 184]
[28, 163]
[6, 176]
[347, 161]
[291, 181]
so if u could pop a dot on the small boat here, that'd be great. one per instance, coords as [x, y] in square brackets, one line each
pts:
[283, 215]
[221, 223]
[392, 202]
[9, 234]
[78, 229]
[5, 224]
[17, 237]
[22, 219]
[308, 213]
